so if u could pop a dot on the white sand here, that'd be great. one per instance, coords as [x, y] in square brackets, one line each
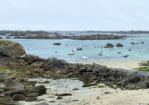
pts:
[90, 95]
[121, 97]
[118, 64]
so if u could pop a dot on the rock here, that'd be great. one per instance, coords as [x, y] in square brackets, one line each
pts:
[3, 77]
[4, 58]
[28, 74]
[132, 43]
[59, 97]
[1, 90]
[39, 89]
[11, 49]
[118, 52]
[42, 103]
[107, 92]
[119, 45]
[12, 92]
[129, 50]
[57, 44]
[37, 64]
[109, 45]
[30, 59]
[98, 97]
[64, 94]
[54, 62]
[18, 97]
[38, 71]
[6, 101]
[33, 94]
[31, 98]
[11, 84]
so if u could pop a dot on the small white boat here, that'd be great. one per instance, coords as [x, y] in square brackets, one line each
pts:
[100, 54]
[79, 47]
[84, 57]
[71, 54]
[125, 56]
[101, 51]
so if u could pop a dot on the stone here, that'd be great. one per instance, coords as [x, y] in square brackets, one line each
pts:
[37, 64]
[42, 103]
[12, 92]
[30, 59]
[6, 101]
[18, 97]
[33, 94]
[11, 49]
[64, 94]
[109, 45]
[39, 89]
[11, 84]
[57, 44]
[119, 45]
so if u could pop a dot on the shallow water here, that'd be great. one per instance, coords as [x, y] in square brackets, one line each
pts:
[71, 86]
[46, 49]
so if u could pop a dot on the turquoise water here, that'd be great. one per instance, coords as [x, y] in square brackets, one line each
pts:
[46, 49]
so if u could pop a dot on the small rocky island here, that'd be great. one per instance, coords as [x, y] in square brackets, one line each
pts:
[16, 67]
[55, 35]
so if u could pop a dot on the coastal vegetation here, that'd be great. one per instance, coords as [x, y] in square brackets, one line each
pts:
[144, 66]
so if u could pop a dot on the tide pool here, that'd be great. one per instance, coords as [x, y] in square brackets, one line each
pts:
[91, 48]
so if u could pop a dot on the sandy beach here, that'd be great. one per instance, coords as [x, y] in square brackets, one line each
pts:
[118, 64]
[120, 97]
[94, 95]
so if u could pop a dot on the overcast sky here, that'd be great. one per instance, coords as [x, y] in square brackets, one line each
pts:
[74, 14]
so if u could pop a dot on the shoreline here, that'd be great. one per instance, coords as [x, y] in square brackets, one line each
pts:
[117, 64]
[23, 66]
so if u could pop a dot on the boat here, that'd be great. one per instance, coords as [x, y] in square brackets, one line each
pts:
[71, 53]
[101, 51]
[84, 57]
[125, 56]
[79, 47]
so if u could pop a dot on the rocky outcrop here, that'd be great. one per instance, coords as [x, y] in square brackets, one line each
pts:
[9, 49]
[57, 44]
[89, 73]
[12, 91]
[79, 37]
[109, 45]
[119, 45]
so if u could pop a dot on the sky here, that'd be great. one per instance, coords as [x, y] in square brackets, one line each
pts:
[74, 15]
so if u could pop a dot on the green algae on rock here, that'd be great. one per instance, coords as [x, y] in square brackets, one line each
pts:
[11, 49]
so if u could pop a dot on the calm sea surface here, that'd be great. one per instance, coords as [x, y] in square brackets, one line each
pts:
[91, 48]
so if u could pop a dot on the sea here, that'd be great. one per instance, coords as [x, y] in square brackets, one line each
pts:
[90, 48]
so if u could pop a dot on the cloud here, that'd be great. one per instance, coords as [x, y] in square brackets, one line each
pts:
[74, 14]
